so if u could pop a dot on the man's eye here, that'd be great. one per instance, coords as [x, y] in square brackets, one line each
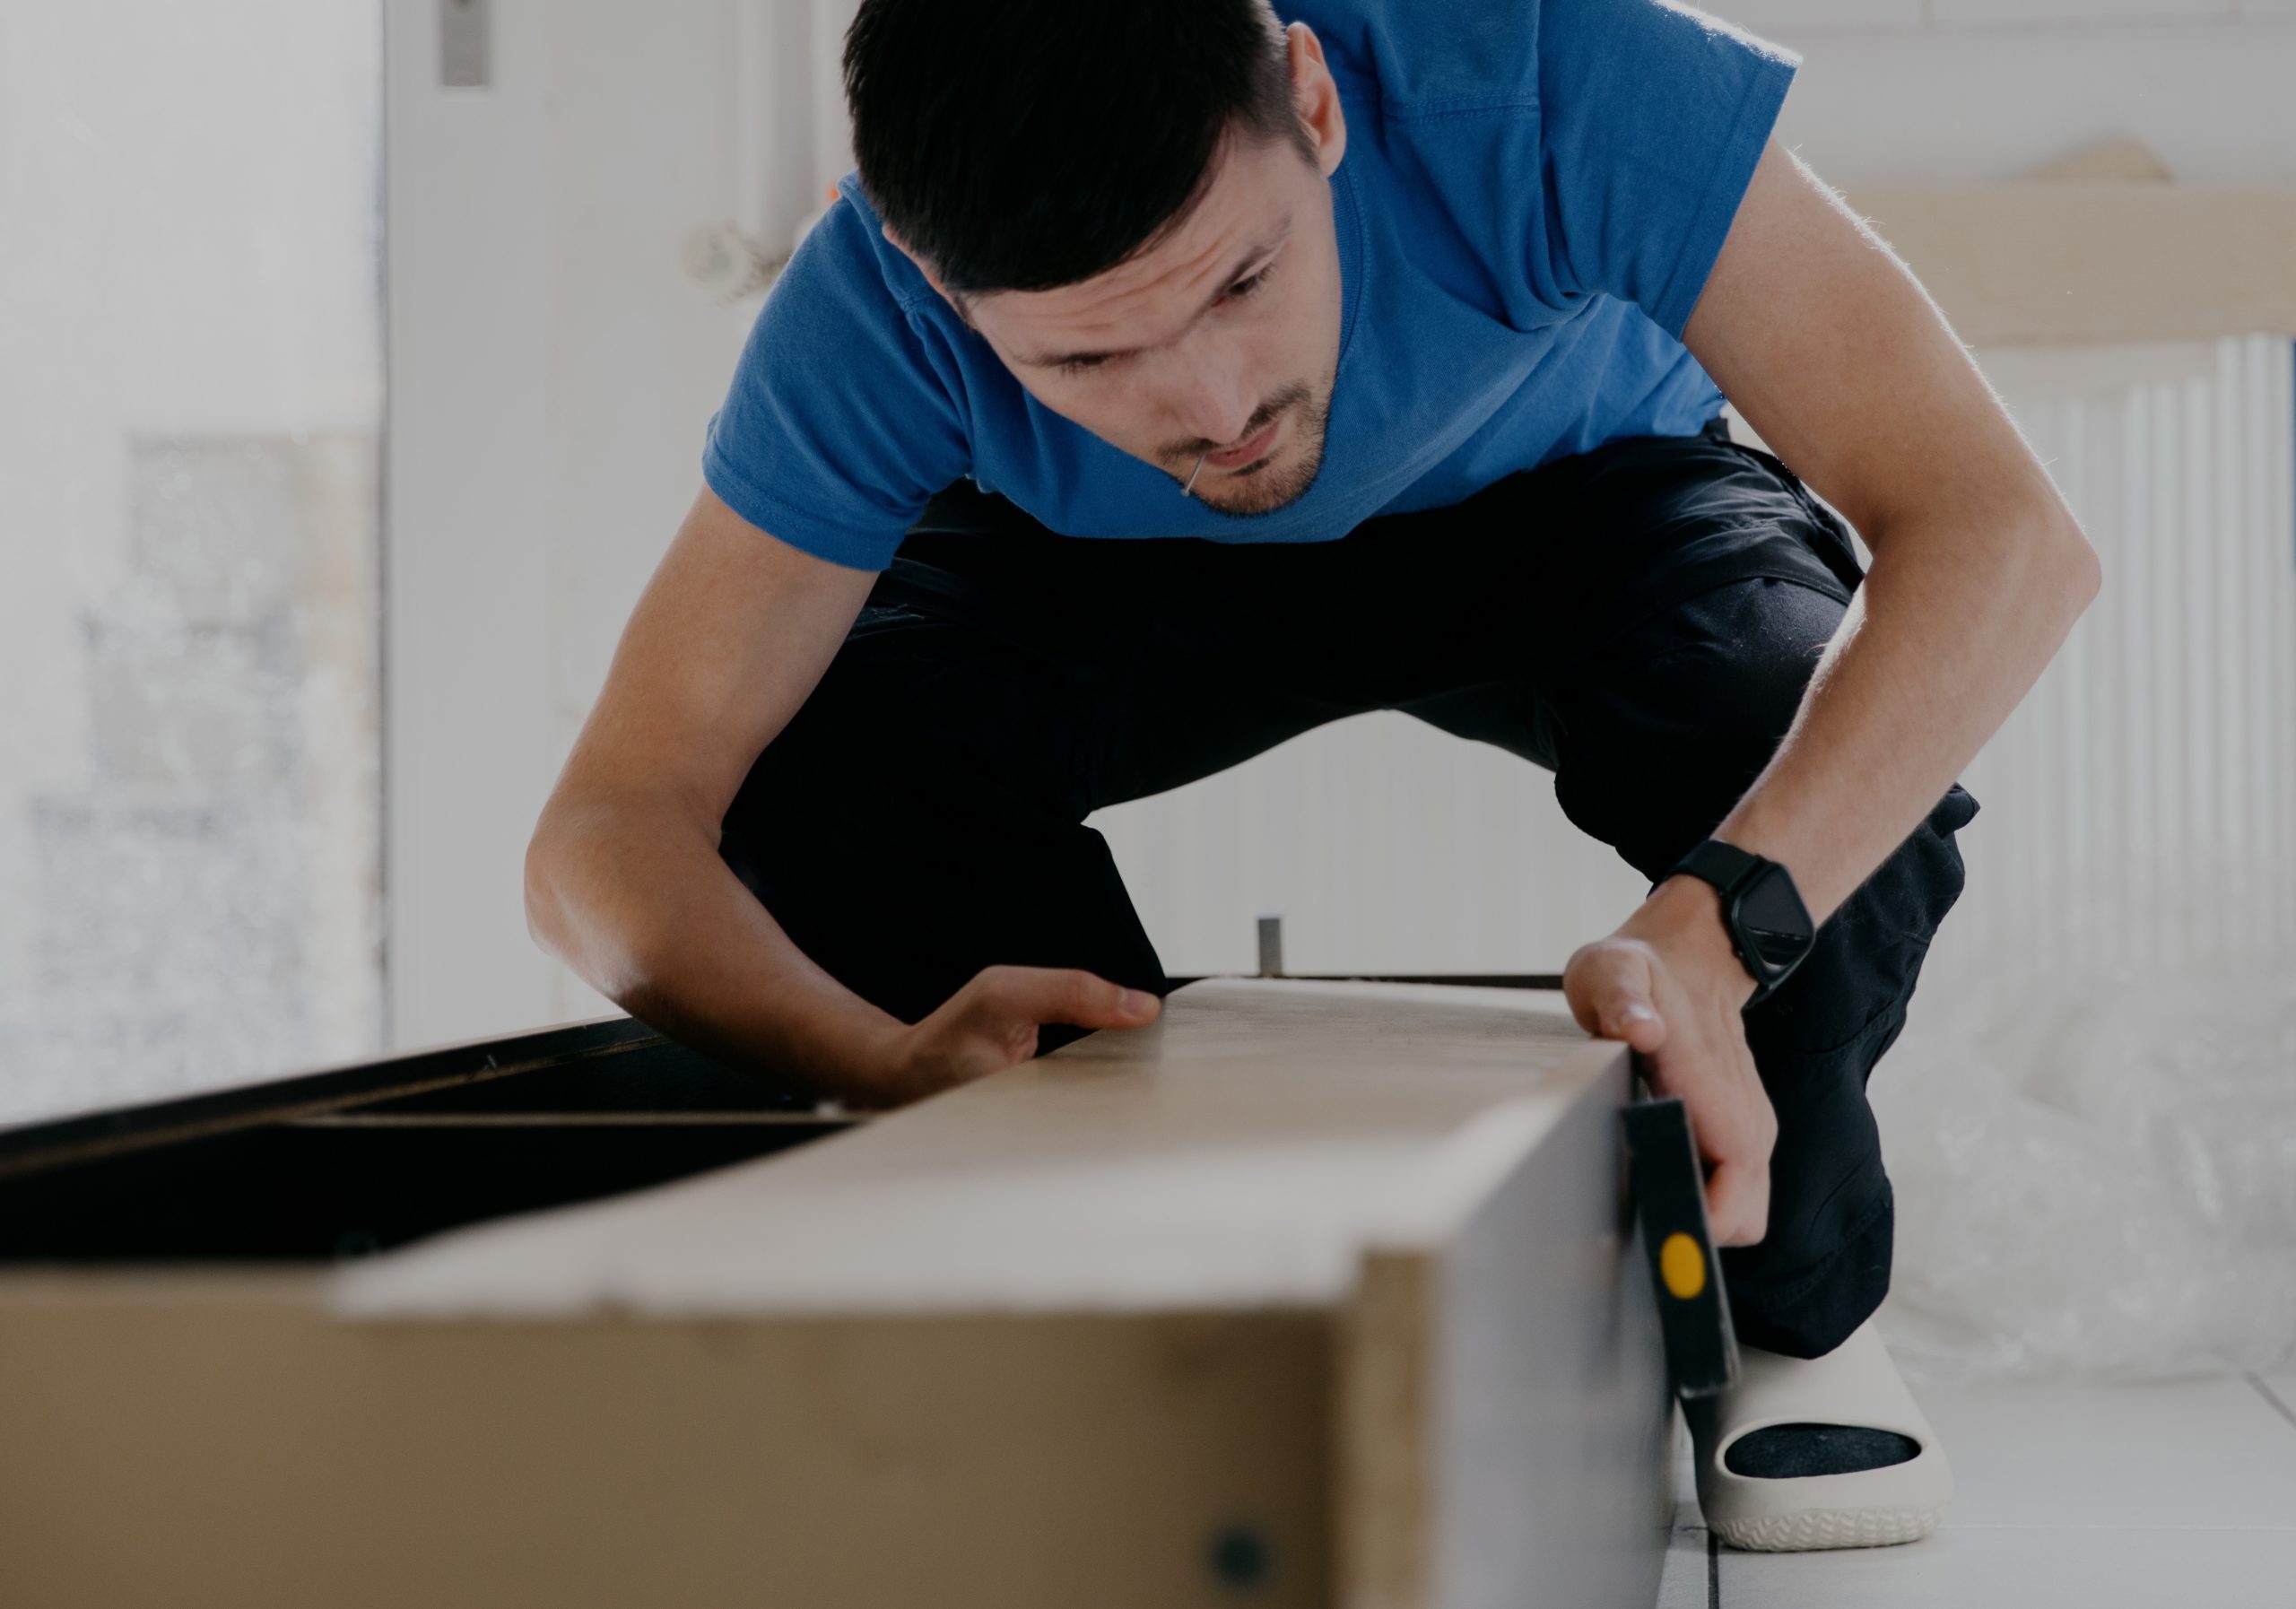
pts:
[1248, 287]
[1238, 292]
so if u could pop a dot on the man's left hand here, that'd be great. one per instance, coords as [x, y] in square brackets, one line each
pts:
[1668, 983]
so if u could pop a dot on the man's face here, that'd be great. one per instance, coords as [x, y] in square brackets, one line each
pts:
[1226, 332]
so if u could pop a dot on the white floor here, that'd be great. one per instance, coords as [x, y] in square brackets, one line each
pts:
[2179, 1496]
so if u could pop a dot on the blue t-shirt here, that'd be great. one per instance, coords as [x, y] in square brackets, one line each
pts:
[1532, 197]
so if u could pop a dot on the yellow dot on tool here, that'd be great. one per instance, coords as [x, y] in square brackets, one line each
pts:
[1683, 1265]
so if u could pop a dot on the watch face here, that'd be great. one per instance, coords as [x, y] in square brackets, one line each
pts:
[1773, 918]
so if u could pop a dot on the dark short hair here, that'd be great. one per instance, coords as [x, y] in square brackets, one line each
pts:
[1023, 144]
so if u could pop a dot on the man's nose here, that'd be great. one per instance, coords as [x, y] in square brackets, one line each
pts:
[1215, 402]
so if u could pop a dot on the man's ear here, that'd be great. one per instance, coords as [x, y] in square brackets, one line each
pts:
[1316, 97]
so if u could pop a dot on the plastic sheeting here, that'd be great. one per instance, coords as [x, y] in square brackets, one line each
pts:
[2094, 1147]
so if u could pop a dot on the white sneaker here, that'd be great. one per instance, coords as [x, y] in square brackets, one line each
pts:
[1855, 1385]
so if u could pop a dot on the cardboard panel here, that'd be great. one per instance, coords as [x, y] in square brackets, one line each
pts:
[2086, 261]
[206, 1441]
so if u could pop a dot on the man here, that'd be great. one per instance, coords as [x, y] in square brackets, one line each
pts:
[1383, 340]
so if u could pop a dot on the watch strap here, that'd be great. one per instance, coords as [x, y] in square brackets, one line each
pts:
[1724, 866]
[1730, 869]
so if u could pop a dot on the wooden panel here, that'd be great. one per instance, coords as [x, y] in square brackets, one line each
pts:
[1243, 1150]
[1316, 1292]
[196, 1441]
[1385, 1479]
[1504, 1427]
[610, 1064]
[351, 1186]
[2068, 262]
[1552, 1419]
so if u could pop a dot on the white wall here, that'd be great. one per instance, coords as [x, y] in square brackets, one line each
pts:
[551, 370]
[188, 258]
[1904, 92]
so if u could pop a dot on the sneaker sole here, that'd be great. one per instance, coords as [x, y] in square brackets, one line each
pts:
[1829, 1527]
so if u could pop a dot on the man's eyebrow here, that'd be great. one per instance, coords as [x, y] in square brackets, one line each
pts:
[1053, 360]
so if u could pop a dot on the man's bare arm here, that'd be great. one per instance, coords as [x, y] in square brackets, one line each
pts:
[1838, 358]
[1837, 355]
[623, 879]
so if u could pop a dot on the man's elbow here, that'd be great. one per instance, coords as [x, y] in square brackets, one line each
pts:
[565, 883]
[545, 874]
[2090, 570]
[2078, 574]
[581, 909]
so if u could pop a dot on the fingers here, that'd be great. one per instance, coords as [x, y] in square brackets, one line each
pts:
[991, 1024]
[1620, 988]
[1612, 989]
[1067, 995]
[1746, 1134]
[1737, 1203]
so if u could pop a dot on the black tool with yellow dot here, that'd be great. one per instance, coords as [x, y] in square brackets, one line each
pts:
[1669, 1190]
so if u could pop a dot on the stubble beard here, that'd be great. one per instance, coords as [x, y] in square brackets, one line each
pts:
[1276, 483]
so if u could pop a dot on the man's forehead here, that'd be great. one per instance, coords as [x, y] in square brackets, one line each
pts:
[1095, 320]
[1156, 296]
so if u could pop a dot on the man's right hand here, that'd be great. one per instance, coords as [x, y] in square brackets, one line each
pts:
[991, 1024]
[624, 879]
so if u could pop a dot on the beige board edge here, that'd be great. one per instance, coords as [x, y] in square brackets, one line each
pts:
[1388, 1470]
[1383, 1494]
[199, 1438]
[2063, 262]
[2125, 160]
[1393, 1106]
[1354, 1430]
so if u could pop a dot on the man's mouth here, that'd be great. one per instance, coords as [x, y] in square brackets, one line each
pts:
[1257, 446]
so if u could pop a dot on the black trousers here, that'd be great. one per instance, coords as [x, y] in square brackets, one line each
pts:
[1640, 619]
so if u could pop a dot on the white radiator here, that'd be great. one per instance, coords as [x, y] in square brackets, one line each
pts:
[2152, 771]
[2099, 1050]
[2159, 748]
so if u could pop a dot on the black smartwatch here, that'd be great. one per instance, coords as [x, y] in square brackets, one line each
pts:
[1769, 927]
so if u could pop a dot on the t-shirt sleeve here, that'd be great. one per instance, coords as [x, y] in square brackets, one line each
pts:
[837, 427]
[1651, 117]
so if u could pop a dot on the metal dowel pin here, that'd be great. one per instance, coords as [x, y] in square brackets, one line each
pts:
[1271, 946]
